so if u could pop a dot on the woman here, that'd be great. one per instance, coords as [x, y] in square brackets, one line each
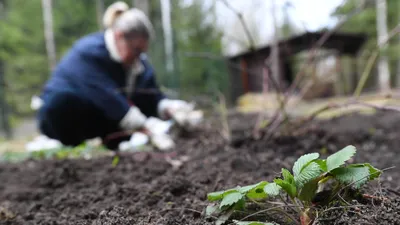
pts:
[104, 84]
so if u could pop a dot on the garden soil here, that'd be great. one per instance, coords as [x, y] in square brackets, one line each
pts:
[146, 188]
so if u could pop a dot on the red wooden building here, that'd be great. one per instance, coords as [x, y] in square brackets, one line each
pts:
[246, 69]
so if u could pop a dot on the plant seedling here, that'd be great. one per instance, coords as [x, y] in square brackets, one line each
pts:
[305, 186]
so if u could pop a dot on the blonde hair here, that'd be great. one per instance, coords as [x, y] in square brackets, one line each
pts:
[131, 21]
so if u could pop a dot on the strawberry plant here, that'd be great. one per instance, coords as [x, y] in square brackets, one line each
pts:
[307, 182]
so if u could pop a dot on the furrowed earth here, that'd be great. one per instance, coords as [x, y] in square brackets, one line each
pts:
[144, 188]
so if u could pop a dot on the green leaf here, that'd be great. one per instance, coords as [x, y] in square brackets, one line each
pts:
[272, 189]
[115, 161]
[218, 195]
[322, 164]
[356, 176]
[302, 162]
[215, 196]
[250, 223]
[289, 188]
[374, 172]
[239, 205]
[257, 192]
[287, 176]
[309, 190]
[230, 199]
[339, 158]
[309, 173]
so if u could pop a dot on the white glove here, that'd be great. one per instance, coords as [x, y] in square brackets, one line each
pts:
[36, 102]
[162, 142]
[137, 140]
[169, 106]
[182, 112]
[156, 126]
[158, 132]
[133, 119]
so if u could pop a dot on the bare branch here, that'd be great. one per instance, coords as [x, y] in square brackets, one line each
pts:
[301, 73]
[241, 19]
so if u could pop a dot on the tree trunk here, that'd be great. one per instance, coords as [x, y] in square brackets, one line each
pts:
[48, 33]
[398, 61]
[275, 48]
[383, 64]
[100, 13]
[167, 29]
[3, 105]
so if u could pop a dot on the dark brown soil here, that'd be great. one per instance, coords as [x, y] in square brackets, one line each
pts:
[145, 189]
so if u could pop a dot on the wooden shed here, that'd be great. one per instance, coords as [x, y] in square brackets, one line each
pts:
[246, 69]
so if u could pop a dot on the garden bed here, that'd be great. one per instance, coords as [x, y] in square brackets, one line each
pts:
[144, 188]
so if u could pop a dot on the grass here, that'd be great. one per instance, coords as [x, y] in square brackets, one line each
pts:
[257, 102]
[17, 154]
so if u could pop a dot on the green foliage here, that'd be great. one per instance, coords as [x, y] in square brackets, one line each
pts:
[339, 158]
[115, 161]
[310, 174]
[233, 197]
[302, 162]
[81, 151]
[196, 31]
[272, 189]
[356, 176]
[365, 22]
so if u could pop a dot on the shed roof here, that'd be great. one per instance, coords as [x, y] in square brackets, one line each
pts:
[346, 43]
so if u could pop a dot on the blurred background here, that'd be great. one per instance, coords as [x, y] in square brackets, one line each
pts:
[208, 50]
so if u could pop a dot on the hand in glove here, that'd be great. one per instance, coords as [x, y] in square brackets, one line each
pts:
[167, 108]
[133, 120]
[180, 111]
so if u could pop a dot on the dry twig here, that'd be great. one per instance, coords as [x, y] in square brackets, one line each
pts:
[300, 74]
[240, 16]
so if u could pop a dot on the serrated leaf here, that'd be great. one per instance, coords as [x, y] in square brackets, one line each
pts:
[302, 162]
[231, 199]
[339, 158]
[309, 190]
[309, 173]
[215, 196]
[287, 176]
[290, 189]
[257, 192]
[374, 172]
[218, 195]
[356, 176]
[254, 191]
[322, 164]
[250, 223]
[272, 189]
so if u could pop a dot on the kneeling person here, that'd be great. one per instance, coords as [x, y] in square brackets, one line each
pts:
[104, 84]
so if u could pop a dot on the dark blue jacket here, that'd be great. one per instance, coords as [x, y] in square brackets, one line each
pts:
[89, 71]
